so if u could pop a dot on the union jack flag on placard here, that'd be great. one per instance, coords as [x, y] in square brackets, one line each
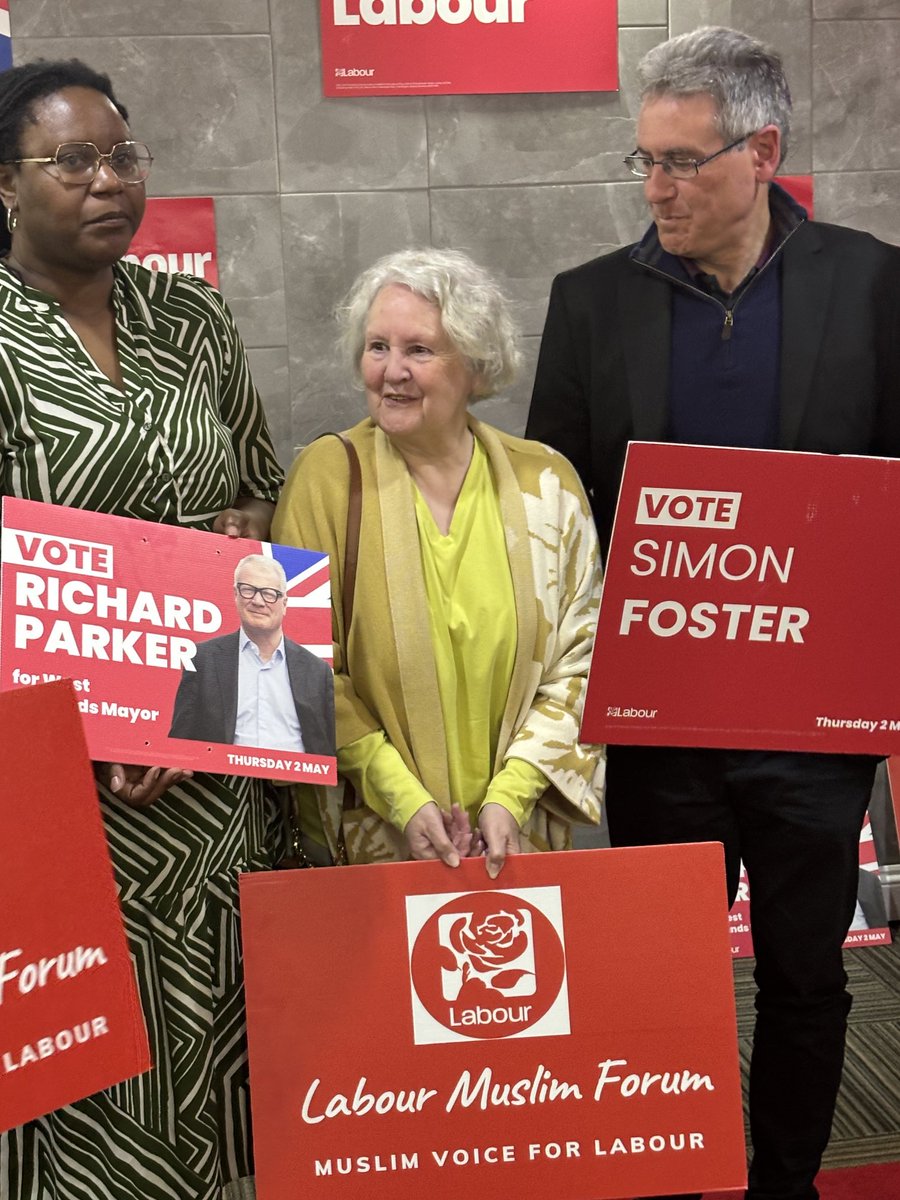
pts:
[309, 597]
[5, 39]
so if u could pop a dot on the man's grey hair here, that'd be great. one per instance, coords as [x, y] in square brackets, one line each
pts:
[262, 561]
[474, 312]
[744, 77]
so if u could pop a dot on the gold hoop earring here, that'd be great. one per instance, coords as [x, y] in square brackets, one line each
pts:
[12, 219]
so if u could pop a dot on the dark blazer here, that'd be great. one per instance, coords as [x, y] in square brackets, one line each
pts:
[206, 701]
[603, 371]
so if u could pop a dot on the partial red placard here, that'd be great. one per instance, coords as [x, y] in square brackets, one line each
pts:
[70, 1018]
[443, 47]
[893, 770]
[178, 234]
[120, 607]
[869, 926]
[432, 1033]
[802, 188]
[748, 603]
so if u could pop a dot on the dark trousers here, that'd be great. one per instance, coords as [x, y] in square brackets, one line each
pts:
[795, 820]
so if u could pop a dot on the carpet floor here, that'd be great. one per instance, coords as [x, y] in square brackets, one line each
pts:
[867, 1121]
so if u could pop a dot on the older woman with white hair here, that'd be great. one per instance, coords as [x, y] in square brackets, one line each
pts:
[460, 681]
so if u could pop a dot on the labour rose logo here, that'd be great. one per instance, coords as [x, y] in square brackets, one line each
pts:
[487, 965]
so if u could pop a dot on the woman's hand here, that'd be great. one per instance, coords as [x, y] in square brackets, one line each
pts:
[249, 518]
[467, 841]
[138, 787]
[501, 836]
[427, 837]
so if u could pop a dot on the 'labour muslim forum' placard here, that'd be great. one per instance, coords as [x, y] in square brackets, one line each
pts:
[70, 1018]
[498, 1038]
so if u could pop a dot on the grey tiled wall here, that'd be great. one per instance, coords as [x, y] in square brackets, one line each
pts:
[308, 191]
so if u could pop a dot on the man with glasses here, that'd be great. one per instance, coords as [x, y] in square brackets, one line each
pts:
[735, 321]
[255, 687]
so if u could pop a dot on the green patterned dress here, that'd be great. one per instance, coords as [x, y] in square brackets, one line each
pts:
[185, 437]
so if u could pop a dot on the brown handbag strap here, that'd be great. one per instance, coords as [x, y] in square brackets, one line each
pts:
[354, 520]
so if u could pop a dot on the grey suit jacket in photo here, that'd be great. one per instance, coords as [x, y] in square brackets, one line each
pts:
[206, 701]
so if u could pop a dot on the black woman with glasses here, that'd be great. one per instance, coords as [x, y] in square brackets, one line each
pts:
[128, 392]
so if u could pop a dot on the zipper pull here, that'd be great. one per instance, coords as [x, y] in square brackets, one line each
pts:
[729, 324]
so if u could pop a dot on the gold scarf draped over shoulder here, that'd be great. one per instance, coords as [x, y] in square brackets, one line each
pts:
[385, 677]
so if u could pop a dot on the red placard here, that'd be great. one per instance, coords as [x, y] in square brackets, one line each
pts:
[178, 234]
[70, 1018]
[441, 47]
[121, 606]
[748, 603]
[432, 1033]
[893, 770]
[869, 925]
[802, 188]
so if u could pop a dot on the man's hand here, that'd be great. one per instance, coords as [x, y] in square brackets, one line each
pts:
[427, 837]
[501, 836]
[249, 518]
[138, 787]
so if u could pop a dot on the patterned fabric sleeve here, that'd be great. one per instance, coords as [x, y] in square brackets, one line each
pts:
[547, 737]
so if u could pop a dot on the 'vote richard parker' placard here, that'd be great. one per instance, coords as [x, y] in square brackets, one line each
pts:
[173, 664]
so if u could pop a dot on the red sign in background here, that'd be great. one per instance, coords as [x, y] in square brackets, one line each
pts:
[893, 769]
[440, 47]
[868, 927]
[117, 605]
[553, 1033]
[70, 1018]
[802, 188]
[749, 603]
[178, 234]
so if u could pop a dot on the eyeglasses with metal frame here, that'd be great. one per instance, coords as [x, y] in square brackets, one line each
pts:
[79, 162]
[247, 591]
[676, 168]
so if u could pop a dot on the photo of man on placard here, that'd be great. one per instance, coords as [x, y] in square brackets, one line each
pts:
[255, 687]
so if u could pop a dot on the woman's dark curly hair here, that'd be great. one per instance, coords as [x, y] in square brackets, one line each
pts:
[21, 87]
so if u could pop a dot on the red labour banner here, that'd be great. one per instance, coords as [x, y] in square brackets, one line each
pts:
[445, 47]
[434, 1033]
[70, 1019]
[178, 234]
[147, 622]
[749, 603]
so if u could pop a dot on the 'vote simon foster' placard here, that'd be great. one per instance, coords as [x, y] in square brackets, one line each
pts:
[173, 666]
[433, 1033]
[70, 1018]
[750, 603]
